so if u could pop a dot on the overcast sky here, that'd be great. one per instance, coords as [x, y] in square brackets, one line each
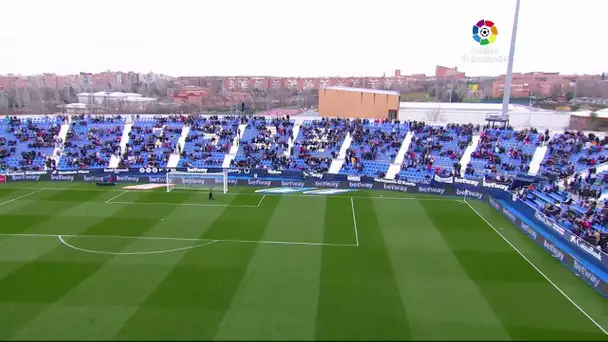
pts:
[295, 38]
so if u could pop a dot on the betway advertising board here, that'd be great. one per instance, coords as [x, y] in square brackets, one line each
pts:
[158, 176]
[579, 267]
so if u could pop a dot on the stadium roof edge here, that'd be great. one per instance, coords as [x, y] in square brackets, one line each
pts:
[364, 90]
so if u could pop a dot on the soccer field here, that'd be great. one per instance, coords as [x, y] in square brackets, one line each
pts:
[81, 262]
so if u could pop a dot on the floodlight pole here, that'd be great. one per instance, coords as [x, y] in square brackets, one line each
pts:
[509, 76]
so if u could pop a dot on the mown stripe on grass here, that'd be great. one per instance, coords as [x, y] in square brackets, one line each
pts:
[193, 299]
[575, 287]
[99, 307]
[429, 276]
[33, 287]
[527, 305]
[21, 215]
[277, 299]
[358, 297]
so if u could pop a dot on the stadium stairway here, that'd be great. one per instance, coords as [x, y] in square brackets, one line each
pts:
[336, 164]
[181, 142]
[537, 158]
[466, 157]
[292, 139]
[395, 167]
[63, 133]
[124, 140]
[234, 149]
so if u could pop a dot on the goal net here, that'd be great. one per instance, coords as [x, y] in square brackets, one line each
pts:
[197, 181]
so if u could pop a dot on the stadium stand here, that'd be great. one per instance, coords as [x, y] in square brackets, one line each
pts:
[151, 141]
[504, 151]
[26, 143]
[91, 142]
[571, 152]
[374, 146]
[317, 143]
[264, 142]
[209, 141]
[435, 150]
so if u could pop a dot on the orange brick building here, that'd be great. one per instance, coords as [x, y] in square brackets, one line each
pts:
[346, 102]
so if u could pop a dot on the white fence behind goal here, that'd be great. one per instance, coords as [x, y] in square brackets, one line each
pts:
[197, 181]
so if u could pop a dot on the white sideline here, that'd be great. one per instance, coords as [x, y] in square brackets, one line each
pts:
[177, 239]
[352, 204]
[538, 270]
[115, 197]
[20, 197]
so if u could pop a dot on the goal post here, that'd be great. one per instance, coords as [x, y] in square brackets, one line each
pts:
[197, 181]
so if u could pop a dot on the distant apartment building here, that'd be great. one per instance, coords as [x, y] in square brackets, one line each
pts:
[443, 73]
[10, 82]
[189, 95]
[543, 84]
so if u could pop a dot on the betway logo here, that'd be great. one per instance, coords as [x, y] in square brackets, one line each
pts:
[494, 204]
[327, 184]
[25, 177]
[153, 179]
[315, 175]
[528, 230]
[466, 181]
[193, 181]
[429, 190]
[95, 179]
[195, 169]
[128, 179]
[509, 214]
[467, 192]
[229, 181]
[550, 224]
[62, 178]
[292, 184]
[495, 185]
[557, 254]
[257, 182]
[360, 185]
[271, 172]
[586, 273]
[394, 187]
[582, 244]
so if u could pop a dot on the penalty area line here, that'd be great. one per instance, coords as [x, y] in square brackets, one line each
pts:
[538, 270]
[157, 238]
[20, 197]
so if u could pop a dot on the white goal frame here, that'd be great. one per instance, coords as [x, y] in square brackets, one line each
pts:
[197, 181]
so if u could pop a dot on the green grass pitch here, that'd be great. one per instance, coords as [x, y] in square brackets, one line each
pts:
[80, 262]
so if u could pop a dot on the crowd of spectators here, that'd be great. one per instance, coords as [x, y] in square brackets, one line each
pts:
[91, 141]
[506, 151]
[436, 150]
[586, 216]
[209, 140]
[25, 144]
[264, 144]
[373, 147]
[151, 142]
[572, 152]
